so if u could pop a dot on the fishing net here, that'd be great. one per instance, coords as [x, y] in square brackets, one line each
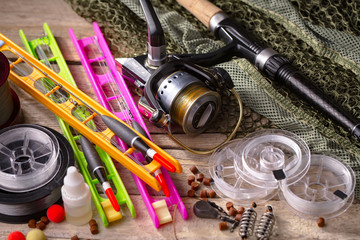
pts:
[321, 38]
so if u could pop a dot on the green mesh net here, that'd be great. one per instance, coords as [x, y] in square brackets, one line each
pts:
[320, 37]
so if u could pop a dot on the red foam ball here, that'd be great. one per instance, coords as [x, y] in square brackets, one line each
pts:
[55, 213]
[16, 235]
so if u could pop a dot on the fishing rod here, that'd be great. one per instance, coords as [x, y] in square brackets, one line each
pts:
[270, 63]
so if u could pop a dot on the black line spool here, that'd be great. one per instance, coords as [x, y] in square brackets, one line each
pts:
[9, 101]
[28, 153]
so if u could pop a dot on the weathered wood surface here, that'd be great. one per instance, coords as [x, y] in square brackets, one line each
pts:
[30, 15]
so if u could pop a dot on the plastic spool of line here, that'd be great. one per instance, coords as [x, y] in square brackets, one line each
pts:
[34, 160]
[327, 189]
[248, 169]
[228, 184]
[10, 104]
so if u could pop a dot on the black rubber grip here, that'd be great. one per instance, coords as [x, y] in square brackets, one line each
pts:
[300, 85]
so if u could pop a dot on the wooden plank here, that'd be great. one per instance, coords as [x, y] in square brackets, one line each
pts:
[288, 226]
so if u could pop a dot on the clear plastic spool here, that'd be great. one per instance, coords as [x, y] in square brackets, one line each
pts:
[265, 151]
[325, 191]
[28, 158]
[227, 182]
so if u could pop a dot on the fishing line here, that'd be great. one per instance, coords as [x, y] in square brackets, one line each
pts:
[115, 90]
[10, 103]
[34, 163]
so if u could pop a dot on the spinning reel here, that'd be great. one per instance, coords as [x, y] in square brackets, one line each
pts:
[177, 88]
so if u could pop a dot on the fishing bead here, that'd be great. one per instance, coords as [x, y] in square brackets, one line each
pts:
[16, 235]
[55, 213]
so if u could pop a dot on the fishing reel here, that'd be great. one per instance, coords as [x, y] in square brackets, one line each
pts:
[185, 93]
[176, 88]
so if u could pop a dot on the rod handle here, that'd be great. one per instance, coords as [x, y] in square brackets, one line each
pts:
[201, 9]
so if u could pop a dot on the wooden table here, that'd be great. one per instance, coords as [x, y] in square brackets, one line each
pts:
[30, 15]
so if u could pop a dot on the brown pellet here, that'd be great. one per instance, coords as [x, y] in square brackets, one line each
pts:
[32, 223]
[212, 193]
[241, 210]
[195, 186]
[40, 225]
[191, 193]
[223, 226]
[206, 181]
[92, 222]
[190, 179]
[238, 217]
[203, 194]
[229, 205]
[45, 220]
[233, 212]
[94, 229]
[200, 177]
[194, 169]
[75, 237]
[321, 222]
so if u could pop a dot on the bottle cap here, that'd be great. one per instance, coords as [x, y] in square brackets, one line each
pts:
[74, 189]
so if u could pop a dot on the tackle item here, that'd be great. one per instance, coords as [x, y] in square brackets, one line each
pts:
[252, 168]
[48, 51]
[66, 101]
[247, 223]
[35, 234]
[228, 184]
[133, 140]
[76, 196]
[270, 158]
[55, 213]
[312, 186]
[95, 164]
[326, 190]
[114, 95]
[34, 162]
[265, 225]
[10, 103]
[270, 63]
[16, 235]
[207, 209]
[177, 89]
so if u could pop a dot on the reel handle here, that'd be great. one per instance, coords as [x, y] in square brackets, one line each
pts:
[201, 9]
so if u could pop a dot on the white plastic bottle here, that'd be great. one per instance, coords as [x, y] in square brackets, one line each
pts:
[76, 196]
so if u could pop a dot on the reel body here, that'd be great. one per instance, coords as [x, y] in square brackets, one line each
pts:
[179, 91]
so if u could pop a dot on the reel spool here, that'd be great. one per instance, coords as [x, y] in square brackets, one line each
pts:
[191, 105]
[34, 163]
[10, 103]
